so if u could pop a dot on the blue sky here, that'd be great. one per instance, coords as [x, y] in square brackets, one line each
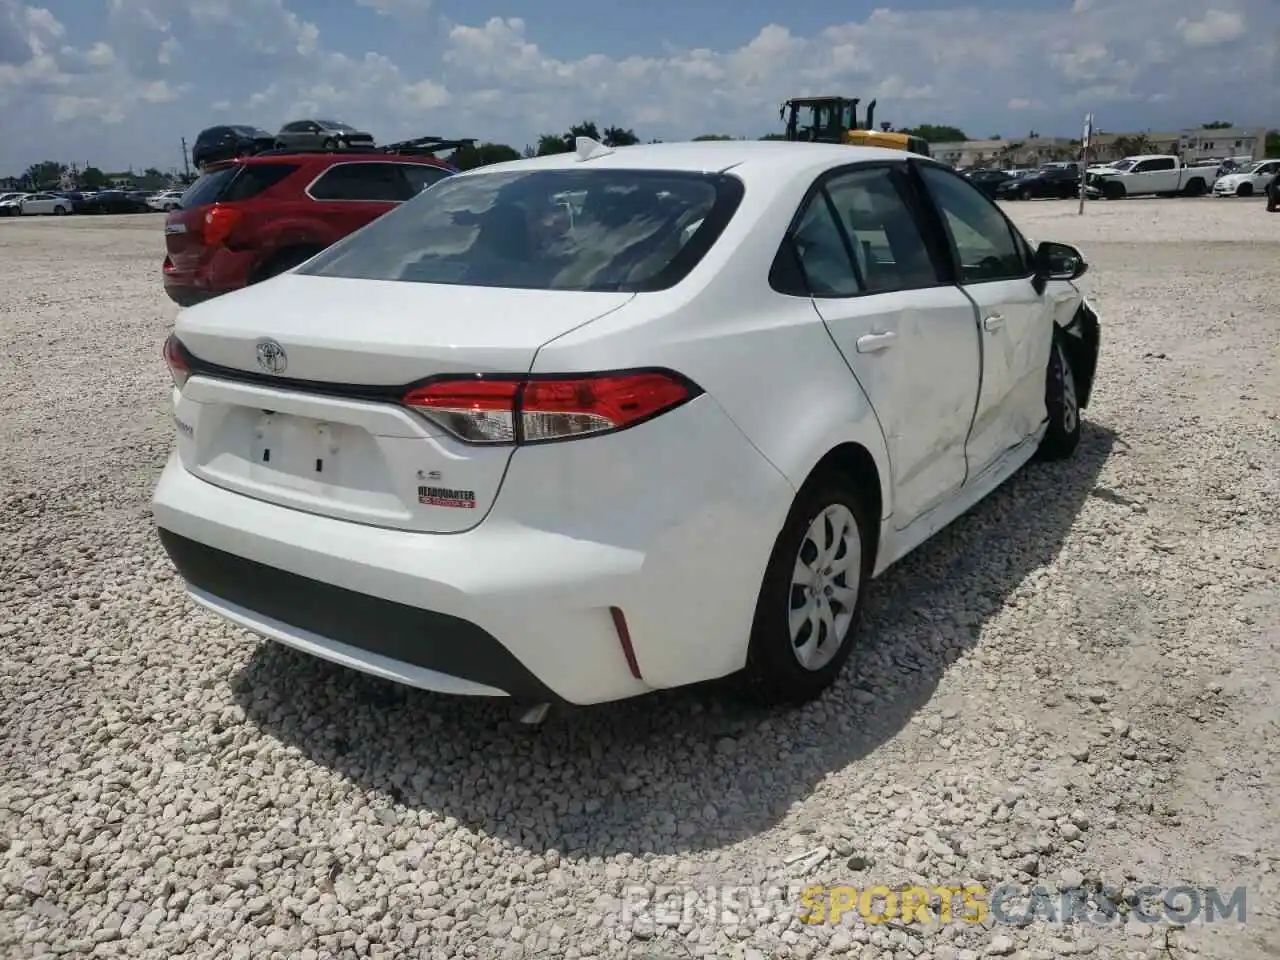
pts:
[119, 82]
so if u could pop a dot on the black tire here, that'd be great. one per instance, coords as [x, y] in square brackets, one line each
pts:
[330, 144]
[284, 260]
[1244, 190]
[59, 211]
[1196, 188]
[1062, 401]
[774, 674]
[1025, 194]
[1272, 203]
[1114, 191]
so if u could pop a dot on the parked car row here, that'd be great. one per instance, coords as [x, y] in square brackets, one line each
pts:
[75, 201]
[1151, 175]
[233, 141]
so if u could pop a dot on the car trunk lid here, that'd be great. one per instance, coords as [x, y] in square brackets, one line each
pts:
[325, 432]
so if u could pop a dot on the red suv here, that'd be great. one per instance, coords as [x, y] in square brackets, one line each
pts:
[249, 219]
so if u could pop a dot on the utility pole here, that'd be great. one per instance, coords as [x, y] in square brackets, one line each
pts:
[1086, 141]
[186, 167]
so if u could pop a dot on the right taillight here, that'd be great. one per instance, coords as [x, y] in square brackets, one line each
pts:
[219, 223]
[175, 357]
[544, 409]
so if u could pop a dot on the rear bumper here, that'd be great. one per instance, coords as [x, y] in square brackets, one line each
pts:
[194, 280]
[521, 604]
[399, 642]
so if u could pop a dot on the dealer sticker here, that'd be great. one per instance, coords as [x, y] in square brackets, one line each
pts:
[445, 497]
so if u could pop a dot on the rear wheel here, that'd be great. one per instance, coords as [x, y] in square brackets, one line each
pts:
[1025, 194]
[811, 596]
[59, 211]
[330, 144]
[1195, 188]
[1062, 404]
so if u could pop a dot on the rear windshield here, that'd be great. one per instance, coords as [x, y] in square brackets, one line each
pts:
[590, 230]
[236, 182]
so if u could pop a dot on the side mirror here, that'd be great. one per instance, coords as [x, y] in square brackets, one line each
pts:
[1060, 261]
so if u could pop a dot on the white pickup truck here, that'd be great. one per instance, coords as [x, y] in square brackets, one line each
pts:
[1153, 174]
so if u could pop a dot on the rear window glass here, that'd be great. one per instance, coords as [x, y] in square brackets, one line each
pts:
[591, 230]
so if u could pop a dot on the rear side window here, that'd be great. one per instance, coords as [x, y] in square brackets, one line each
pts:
[363, 181]
[888, 246]
[421, 176]
[208, 188]
[590, 230]
[256, 178]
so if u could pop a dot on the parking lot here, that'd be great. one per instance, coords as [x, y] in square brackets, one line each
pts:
[1078, 680]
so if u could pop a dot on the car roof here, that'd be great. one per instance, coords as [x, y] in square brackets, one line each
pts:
[335, 157]
[751, 160]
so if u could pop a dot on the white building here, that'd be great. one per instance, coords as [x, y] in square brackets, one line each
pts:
[1220, 144]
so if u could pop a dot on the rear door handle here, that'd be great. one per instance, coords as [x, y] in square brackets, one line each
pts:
[875, 342]
[993, 322]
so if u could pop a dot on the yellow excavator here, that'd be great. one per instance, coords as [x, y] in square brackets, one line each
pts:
[835, 120]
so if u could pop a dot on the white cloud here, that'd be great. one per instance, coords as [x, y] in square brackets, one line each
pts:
[397, 8]
[162, 69]
[1214, 28]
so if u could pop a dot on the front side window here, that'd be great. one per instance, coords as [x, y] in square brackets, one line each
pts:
[379, 182]
[589, 230]
[984, 243]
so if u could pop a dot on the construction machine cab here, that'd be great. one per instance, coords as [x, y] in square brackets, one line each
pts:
[835, 120]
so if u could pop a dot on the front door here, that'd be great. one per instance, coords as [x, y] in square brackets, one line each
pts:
[1015, 318]
[909, 338]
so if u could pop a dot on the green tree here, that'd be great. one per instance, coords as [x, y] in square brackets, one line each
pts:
[711, 136]
[1273, 144]
[936, 133]
[44, 174]
[91, 178]
[619, 137]
[471, 156]
[774, 136]
[1217, 125]
[551, 143]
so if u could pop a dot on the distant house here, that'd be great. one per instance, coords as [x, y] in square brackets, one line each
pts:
[1221, 144]
[1029, 152]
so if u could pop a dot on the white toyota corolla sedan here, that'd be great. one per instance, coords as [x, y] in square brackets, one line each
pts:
[580, 427]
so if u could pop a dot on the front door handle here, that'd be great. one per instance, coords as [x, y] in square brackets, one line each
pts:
[875, 342]
[993, 322]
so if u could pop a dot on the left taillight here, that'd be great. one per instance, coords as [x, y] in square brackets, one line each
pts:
[219, 223]
[545, 409]
[176, 358]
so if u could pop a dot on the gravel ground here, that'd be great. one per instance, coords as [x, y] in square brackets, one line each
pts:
[1075, 685]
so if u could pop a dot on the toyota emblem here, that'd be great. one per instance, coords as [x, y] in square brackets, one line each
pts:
[271, 356]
